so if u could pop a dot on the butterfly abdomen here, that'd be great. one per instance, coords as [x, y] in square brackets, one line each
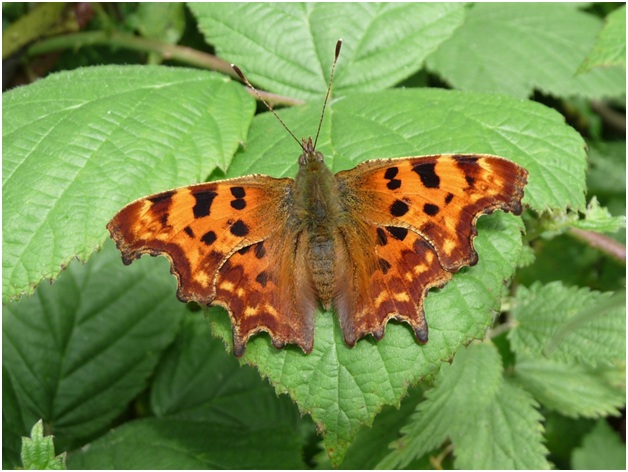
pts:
[317, 213]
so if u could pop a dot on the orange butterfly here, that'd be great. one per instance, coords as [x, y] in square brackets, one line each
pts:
[370, 241]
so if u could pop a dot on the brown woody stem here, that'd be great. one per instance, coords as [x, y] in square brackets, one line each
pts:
[174, 52]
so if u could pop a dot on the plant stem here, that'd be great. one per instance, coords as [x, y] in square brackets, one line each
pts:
[601, 242]
[174, 52]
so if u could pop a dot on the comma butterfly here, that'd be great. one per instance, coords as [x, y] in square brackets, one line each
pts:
[370, 241]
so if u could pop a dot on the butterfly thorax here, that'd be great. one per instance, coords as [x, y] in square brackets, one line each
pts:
[317, 213]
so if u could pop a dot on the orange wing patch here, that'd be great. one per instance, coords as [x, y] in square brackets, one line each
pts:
[419, 216]
[199, 227]
[258, 287]
[404, 268]
[439, 197]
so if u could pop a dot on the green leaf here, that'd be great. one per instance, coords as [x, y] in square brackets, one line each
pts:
[211, 413]
[610, 45]
[38, 452]
[607, 168]
[515, 48]
[197, 380]
[15, 423]
[288, 48]
[598, 218]
[569, 324]
[573, 389]
[492, 423]
[71, 160]
[341, 388]
[371, 444]
[164, 21]
[602, 449]
[164, 443]
[79, 350]
[399, 123]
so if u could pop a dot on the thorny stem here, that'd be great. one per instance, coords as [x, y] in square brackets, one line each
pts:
[174, 52]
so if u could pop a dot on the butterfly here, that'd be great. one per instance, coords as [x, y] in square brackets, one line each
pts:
[369, 242]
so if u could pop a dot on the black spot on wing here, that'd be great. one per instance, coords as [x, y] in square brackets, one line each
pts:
[399, 208]
[189, 231]
[260, 251]
[430, 209]
[390, 175]
[238, 204]
[239, 228]
[209, 237]
[238, 192]
[161, 197]
[382, 239]
[384, 265]
[427, 172]
[262, 278]
[397, 233]
[204, 200]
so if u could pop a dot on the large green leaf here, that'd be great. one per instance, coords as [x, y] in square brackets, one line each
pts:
[602, 449]
[570, 345]
[569, 324]
[79, 145]
[211, 413]
[79, 350]
[492, 423]
[610, 46]
[573, 389]
[183, 444]
[514, 48]
[288, 48]
[342, 388]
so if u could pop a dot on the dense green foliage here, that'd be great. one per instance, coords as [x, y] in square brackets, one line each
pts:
[524, 346]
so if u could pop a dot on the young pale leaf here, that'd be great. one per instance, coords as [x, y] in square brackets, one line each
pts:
[79, 145]
[598, 218]
[288, 48]
[38, 452]
[610, 46]
[568, 324]
[491, 423]
[79, 350]
[602, 449]
[515, 48]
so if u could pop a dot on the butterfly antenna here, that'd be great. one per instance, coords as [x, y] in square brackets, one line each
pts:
[246, 81]
[331, 79]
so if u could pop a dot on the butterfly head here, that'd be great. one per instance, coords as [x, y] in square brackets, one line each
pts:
[310, 157]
